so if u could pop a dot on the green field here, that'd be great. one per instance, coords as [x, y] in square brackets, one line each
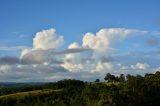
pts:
[29, 93]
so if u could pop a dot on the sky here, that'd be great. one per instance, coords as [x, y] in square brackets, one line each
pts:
[51, 40]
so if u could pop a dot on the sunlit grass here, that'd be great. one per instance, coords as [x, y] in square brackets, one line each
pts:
[35, 92]
[111, 83]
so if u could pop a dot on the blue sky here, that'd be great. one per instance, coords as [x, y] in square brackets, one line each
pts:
[20, 20]
[73, 18]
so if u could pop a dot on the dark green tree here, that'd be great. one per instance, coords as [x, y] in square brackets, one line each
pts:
[121, 78]
[110, 78]
[97, 80]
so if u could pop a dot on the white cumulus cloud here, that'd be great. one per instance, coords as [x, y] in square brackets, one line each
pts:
[47, 39]
[103, 38]
[140, 66]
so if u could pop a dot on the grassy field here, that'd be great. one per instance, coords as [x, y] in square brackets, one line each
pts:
[35, 92]
[111, 83]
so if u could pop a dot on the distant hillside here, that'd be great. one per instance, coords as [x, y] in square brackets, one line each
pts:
[11, 84]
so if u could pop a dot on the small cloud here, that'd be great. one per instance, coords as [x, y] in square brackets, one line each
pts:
[22, 36]
[15, 32]
[19, 34]
[124, 68]
[140, 66]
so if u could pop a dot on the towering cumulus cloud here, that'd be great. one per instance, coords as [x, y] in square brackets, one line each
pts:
[103, 38]
[47, 39]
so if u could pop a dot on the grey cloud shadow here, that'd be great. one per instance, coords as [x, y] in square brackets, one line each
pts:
[9, 60]
[40, 56]
[50, 55]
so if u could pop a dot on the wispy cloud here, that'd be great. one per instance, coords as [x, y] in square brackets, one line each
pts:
[12, 48]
